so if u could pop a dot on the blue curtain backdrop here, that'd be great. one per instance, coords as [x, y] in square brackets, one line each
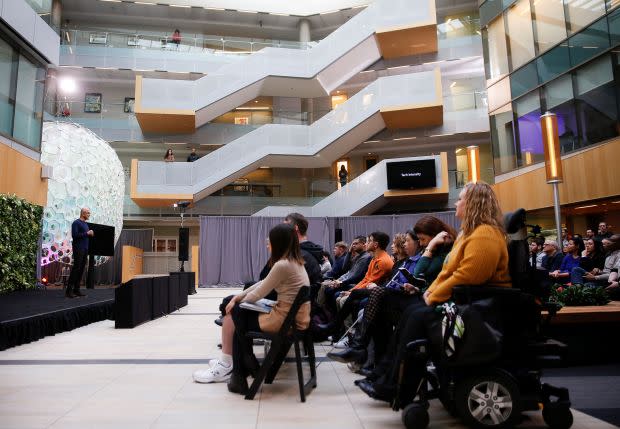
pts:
[233, 249]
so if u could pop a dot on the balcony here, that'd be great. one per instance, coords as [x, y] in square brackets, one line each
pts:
[104, 49]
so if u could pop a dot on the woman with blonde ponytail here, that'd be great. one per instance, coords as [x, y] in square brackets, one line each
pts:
[479, 257]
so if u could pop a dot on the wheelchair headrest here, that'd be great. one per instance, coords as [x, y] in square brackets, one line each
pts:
[514, 221]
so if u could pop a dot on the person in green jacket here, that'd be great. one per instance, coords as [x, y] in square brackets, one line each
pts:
[436, 238]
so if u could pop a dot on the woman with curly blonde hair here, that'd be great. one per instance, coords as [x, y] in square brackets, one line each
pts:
[479, 256]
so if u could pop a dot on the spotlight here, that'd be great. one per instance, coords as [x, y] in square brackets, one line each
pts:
[67, 85]
[44, 281]
[182, 204]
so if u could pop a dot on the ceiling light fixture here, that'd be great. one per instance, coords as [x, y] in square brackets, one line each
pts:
[180, 5]
[586, 207]
[145, 3]
[405, 138]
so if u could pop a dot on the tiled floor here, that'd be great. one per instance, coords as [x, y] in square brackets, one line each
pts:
[99, 377]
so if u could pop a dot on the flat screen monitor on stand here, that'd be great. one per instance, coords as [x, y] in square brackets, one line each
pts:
[100, 244]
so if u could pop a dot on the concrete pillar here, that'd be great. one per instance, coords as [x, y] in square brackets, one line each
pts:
[304, 30]
[56, 20]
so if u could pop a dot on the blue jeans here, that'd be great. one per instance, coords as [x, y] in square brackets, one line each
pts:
[576, 275]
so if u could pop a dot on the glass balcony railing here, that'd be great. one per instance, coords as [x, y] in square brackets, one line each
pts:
[165, 42]
[465, 101]
[458, 27]
[117, 122]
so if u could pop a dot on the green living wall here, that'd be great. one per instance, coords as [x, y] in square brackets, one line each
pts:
[20, 229]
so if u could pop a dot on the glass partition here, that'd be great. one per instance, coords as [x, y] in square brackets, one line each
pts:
[502, 137]
[520, 34]
[22, 83]
[549, 24]
[192, 44]
[527, 111]
[597, 106]
[495, 51]
[8, 72]
[579, 13]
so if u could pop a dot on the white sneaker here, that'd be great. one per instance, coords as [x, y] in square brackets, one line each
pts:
[212, 362]
[342, 344]
[215, 374]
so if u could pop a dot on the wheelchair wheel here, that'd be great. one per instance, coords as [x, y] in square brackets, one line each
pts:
[558, 417]
[488, 401]
[415, 416]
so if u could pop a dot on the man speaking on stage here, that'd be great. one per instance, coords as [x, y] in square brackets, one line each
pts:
[80, 234]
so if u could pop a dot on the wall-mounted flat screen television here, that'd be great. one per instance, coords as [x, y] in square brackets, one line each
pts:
[416, 174]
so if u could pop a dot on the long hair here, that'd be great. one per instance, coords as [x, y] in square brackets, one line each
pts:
[431, 226]
[284, 244]
[578, 242]
[399, 243]
[481, 208]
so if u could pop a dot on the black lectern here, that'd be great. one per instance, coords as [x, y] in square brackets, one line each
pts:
[100, 244]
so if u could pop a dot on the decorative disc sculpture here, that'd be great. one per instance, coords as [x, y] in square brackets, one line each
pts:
[86, 173]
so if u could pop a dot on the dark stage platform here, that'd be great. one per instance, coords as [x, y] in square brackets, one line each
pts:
[27, 316]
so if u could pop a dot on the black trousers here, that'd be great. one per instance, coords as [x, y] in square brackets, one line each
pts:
[243, 354]
[383, 313]
[80, 257]
[414, 324]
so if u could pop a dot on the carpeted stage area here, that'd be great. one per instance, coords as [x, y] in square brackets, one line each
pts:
[27, 316]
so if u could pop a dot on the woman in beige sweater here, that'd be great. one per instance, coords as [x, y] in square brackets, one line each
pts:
[286, 277]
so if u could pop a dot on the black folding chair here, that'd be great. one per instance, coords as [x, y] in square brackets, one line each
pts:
[281, 343]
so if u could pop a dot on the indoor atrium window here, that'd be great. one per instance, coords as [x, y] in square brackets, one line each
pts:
[527, 111]
[502, 137]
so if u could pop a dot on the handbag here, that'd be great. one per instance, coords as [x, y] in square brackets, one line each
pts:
[480, 340]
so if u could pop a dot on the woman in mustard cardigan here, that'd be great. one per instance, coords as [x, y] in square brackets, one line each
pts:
[479, 256]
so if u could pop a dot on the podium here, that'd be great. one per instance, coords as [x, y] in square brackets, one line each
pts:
[100, 244]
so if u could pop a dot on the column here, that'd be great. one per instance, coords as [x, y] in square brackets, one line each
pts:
[304, 30]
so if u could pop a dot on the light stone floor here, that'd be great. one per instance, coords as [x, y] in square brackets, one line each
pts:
[99, 377]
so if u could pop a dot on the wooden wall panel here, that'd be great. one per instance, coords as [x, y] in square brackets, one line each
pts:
[132, 263]
[152, 200]
[588, 175]
[21, 175]
[195, 262]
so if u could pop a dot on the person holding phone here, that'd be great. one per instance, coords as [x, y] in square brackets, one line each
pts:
[385, 306]
[479, 256]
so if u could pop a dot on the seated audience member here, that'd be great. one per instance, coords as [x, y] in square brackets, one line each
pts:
[592, 261]
[169, 156]
[436, 238]
[326, 266]
[350, 278]
[611, 246]
[378, 270]
[536, 253]
[340, 256]
[479, 256]
[287, 276]
[603, 231]
[613, 289]
[385, 306]
[553, 258]
[571, 260]
[372, 323]
[589, 233]
[399, 252]
[311, 252]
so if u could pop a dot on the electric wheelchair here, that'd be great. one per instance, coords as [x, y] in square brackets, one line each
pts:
[490, 388]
